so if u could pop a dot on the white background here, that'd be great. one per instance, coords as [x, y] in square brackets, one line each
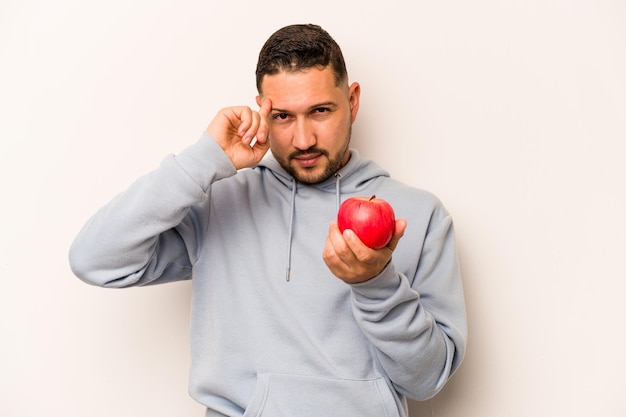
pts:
[512, 112]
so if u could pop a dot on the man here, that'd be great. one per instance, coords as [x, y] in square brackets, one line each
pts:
[290, 316]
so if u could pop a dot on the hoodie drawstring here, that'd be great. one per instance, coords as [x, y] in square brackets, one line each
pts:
[290, 237]
[338, 189]
[292, 214]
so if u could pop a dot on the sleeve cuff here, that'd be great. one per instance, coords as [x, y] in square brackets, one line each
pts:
[379, 288]
[206, 162]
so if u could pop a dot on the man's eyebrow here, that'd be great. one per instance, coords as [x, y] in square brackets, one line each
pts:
[313, 107]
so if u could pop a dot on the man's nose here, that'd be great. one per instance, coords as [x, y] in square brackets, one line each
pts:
[303, 136]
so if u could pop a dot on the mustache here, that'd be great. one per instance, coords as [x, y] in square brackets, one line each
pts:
[311, 150]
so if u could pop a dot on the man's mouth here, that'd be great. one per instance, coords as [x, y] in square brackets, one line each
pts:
[307, 161]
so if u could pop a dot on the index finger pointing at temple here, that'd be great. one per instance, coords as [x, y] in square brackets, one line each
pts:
[264, 112]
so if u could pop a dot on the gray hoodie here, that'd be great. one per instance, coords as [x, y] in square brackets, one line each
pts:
[274, 333]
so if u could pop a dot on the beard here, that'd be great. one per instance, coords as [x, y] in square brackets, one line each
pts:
[313, 175]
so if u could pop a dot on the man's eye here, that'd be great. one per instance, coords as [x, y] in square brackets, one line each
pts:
[321, 110]
[280, 116]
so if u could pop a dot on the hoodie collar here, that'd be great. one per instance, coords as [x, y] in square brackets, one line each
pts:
[353, 175]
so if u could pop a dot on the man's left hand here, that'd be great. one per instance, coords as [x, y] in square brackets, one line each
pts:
[351, 260]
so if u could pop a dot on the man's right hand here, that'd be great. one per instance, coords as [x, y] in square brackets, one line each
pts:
[234, 128]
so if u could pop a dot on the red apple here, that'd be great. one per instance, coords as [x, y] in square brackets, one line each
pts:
[371, 218]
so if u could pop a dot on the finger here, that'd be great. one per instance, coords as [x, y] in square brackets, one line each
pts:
[344, 245]
[264, 112]
[266, 108]
[359, 250]
[257, 129]
[246, 121]
[330, 254]
[337, 244]
[250, 136]
[401, 225]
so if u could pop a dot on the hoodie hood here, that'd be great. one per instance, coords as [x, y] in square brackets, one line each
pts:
[348, 180]
[353, 175]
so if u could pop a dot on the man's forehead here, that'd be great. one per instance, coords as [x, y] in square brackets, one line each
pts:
[315, 75]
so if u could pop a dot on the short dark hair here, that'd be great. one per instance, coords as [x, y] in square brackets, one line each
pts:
[298, 48]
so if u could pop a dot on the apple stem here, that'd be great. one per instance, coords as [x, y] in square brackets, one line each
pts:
[372, 197]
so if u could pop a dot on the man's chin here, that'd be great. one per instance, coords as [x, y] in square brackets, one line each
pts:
[307, 177]
[310, 175]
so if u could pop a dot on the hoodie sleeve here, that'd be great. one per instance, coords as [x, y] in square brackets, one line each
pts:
[417, 324]
[149, 233]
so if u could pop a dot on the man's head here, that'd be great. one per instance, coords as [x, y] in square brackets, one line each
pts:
[298, 48]
[302, 72]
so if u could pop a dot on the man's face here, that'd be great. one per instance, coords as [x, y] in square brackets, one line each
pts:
[310, 122]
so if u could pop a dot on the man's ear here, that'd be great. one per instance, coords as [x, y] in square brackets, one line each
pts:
[355, 97]
[258, 100]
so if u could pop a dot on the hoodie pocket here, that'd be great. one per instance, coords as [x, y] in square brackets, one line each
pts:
[281, 395]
